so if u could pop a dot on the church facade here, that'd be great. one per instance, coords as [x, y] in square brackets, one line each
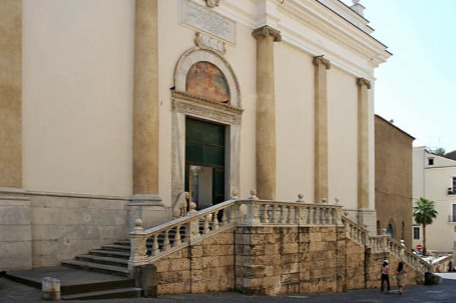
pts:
[113, 110]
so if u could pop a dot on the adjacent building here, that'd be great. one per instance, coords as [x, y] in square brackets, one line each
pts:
[434, 178]
[393, 180]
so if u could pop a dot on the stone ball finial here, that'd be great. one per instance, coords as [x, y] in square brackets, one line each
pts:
[324, 200]
[253, 194]
[337, 200]
[300, 198]
[138, 222]
[235, 194]
[192, 206]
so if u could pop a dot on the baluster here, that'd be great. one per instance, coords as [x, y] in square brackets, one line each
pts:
[224, 217]
[166, 245]
[282, 214]
[177, 237]
[215, 224]
[155, 247]
[291, 215]
[266, 213]
[274, 214]
[206, 224]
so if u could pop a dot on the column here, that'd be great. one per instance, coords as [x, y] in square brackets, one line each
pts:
[363, 143]
[146, 202]
[321, 129]
[265, 112]
[146, 120]
[11, 94]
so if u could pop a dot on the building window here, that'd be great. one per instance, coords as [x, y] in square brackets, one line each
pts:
[430, 161]
[452, 219]
[416, 233]
[452, 188]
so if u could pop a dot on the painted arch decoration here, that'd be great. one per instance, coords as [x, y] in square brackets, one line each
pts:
[205, 74]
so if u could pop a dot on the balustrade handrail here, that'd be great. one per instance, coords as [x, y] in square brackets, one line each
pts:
[386, 243]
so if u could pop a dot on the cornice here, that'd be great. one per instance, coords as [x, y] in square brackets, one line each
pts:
[302, 19]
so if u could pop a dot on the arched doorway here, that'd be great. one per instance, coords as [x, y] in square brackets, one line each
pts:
[206, 128]
[389, 230]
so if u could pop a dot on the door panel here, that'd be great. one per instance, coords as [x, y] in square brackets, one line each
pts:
[205, 147]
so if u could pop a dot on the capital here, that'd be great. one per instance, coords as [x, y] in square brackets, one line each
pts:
[361, 81]
[267, 31]
[318, 60]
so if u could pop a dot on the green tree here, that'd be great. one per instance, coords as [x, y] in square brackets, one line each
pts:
[424, 213]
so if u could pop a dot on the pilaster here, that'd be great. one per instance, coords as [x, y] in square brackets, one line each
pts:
[363, 143]
[146, 199]
[265, 112]
[321, 129]
[11, 93]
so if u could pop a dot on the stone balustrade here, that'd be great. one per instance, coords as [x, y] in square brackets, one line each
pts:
[148, 245]
[384, 243]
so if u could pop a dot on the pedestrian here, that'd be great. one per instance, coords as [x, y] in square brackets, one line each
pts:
[400, 276]
[385, 276]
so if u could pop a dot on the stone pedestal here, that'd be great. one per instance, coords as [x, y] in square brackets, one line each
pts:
[51, 289]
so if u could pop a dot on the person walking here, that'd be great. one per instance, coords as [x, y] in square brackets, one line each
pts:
[385, 276]
[400, 276]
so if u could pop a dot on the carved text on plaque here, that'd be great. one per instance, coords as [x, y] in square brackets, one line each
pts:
[206, 20]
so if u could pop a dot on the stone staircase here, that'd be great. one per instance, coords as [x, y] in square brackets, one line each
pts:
[113, 258]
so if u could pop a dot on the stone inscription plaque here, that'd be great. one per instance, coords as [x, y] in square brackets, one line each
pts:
[208, 21]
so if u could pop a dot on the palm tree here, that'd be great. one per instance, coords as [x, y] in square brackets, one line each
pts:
[424, 213]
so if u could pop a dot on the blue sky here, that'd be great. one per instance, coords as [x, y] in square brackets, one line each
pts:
[416, 86]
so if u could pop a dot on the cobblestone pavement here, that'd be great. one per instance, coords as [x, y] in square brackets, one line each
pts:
[12, 292]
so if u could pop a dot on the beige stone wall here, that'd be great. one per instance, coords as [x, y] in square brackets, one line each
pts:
[393, 179]
[78, 96]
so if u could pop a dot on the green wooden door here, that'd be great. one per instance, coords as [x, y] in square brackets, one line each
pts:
[205, 147]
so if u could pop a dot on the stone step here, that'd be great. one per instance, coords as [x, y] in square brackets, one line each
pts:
[72, 280]
[103, 268]
[106, 294]
[103, 260]
[114, 247]
[125, 255]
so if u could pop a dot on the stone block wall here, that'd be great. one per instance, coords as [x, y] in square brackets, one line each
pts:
[355, 265]
[375, 261]
[63, 227]
[15, 232]
[38, 230]
[203, 266]
[273, 260]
